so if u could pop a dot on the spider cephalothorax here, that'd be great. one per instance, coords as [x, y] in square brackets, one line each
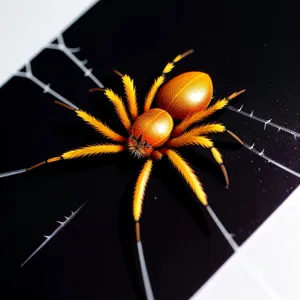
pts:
[152, 134]
[150, 131]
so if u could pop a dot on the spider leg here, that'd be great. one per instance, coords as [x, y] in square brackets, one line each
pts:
[157, 155]
[235, 136]
[119, 107]
[97, 125]
[203, 114]
[130, 92]
[185, 138]
[76, 153]
[188, 174]
[152, 92]
[118, 104]
[138, 197]
[160, 80]
[204, 142]
[218, 158]
[97, 89]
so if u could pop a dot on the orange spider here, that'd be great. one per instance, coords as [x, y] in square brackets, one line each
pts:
[152, 134]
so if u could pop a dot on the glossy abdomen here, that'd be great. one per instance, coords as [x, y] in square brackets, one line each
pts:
[185, 94]
[154, 127]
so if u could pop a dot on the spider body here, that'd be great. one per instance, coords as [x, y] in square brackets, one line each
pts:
[150, 130]
[152, 134]
[179, 98]
[186, 94]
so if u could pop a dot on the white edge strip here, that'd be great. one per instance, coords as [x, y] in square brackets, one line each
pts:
[28, 26]
[272, 251]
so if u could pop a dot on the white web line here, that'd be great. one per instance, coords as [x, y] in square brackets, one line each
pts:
[80, 63]
[265, 122]
[54, 233]
[46, 87]
[146, 280]
[270, 160]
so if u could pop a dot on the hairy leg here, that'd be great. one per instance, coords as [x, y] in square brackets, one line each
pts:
[138, 198]
[97, 125]
[200, 130]
[204, 142]
[130, 92]
[188, 174]
[76, 153]
[118, 103]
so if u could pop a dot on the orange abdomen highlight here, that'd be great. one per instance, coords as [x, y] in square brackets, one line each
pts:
[186, 94]
[154, 127]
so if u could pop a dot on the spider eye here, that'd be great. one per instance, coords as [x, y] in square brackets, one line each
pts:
[148, 146]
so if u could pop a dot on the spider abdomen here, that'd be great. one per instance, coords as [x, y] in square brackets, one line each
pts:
[153, 127]
[185, 94]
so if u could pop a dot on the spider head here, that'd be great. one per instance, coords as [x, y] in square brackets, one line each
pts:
[138, 147]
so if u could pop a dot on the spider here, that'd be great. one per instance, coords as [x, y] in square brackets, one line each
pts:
[152, 134]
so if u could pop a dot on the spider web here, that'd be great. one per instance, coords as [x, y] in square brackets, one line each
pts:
[250, 145]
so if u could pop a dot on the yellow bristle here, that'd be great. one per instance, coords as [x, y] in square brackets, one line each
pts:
[217, 155]
[93, 150]
[199, 116]
[206, 129]
[151, 94]
[130, 96]
[177, 58]
[140, 188]
[188, 175]
[168, 68]
[200, 130]
[194, 140]
[119, 107]
[100, 127]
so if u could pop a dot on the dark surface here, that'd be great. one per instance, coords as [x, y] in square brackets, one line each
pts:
[252, 46]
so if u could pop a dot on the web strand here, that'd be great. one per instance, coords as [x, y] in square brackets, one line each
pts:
[46, 87]
[54, 233]
[80, 63]
[270, 160]
[265, 122]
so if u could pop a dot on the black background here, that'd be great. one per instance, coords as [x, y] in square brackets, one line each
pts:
[252, 45]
